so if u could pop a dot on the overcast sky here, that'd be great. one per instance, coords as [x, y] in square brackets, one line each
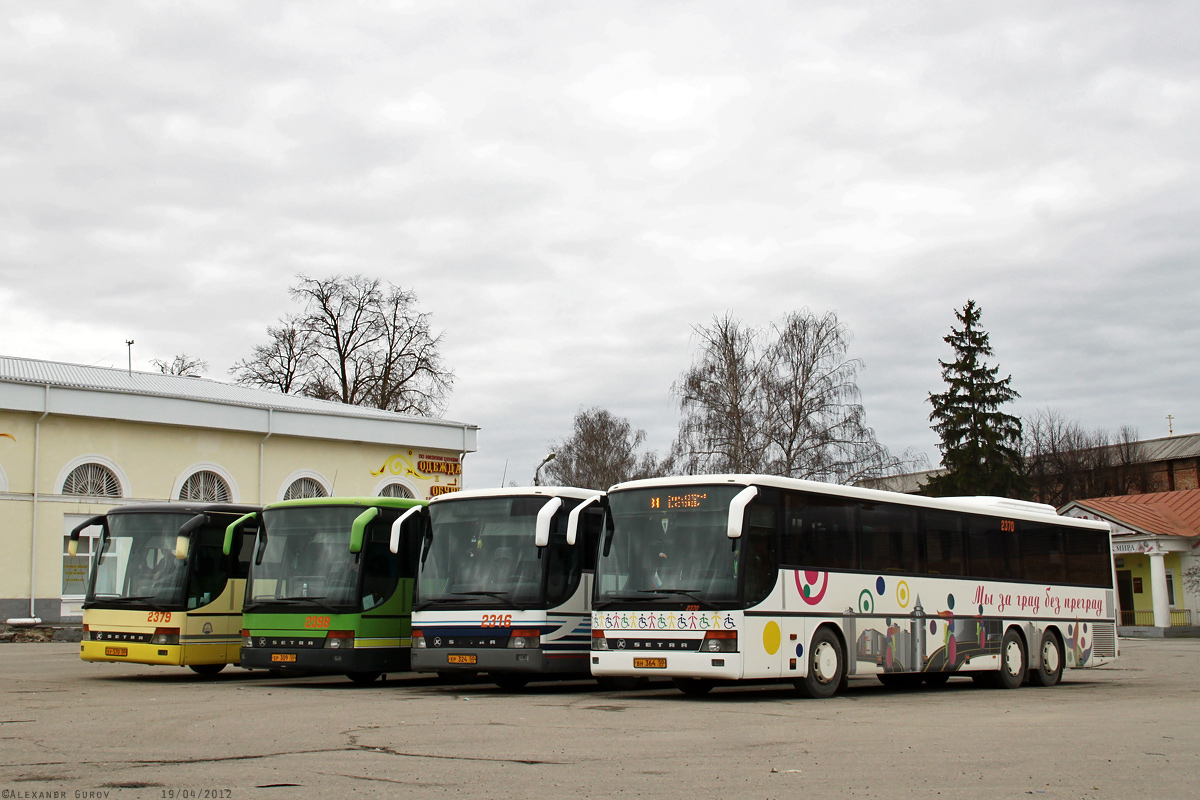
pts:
[569, 188]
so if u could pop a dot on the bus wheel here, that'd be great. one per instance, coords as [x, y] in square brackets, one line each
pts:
[936, 679]
[693, 687]
[508, 681]
[1013, 663]
[901, 680]
[363, 678]
[826, 666]
[1050, 671]
[207, 670]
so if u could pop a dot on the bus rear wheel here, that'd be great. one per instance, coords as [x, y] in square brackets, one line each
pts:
[1013, 663]
[207, 670]
[363, 678]
[1049, 672]
[936, 678]
[693, 687]
[826, 666]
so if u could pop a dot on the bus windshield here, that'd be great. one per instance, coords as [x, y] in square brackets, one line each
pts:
[483, 553]
[307, 560]
[136, 564]
[669, 545]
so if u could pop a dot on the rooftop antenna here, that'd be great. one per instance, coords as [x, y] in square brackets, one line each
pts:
[504, 474]
[129, 347]
[1170, 427]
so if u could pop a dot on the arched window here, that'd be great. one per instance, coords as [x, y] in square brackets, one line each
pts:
[93, 480]
[205, 486]
[396, 490]
[305, 487]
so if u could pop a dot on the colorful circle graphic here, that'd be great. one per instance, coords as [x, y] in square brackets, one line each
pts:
[866, 603]
[950, 601]
[771, 638]
[806, 586]
[880, 586]
[902, 596]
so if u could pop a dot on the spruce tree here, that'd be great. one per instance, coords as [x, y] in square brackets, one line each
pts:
[980, 444]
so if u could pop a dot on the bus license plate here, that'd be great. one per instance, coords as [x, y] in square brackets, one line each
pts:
[462, 659]
[289, 657]
[116, 651]
[649, 663]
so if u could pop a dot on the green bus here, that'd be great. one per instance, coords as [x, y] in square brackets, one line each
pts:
[330, 586]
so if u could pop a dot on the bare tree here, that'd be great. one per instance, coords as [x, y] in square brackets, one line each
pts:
[284, 363]
[785, 402]
[356, 342]
[182, 364]
[602, 450]
[723, 402]
[1064, 462]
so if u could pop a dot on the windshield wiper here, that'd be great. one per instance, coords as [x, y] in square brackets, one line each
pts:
[689, 593]
[293, 601]
[498, 595]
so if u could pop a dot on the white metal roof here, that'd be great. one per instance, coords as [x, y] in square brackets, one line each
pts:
[519, 491]
[72, 389]
[993, 506]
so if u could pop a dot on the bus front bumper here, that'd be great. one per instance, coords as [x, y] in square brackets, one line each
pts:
[666, 664]
[326, 660]
[497, 659]
[134, 653]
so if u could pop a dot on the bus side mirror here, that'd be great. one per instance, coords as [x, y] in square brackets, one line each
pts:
[394, 542]
[573, 518]
[737, 510]
[359, 528]
[184, 537]
[541, 532]
[73, 543]
[227, 546]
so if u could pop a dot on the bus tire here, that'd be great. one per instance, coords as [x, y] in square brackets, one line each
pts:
[508, 681]
[363, 678]
[826, 666]
[1049, 671]
[693, 687]
[936, 679]
[1013, 663]
[206, 670]
[901, 680]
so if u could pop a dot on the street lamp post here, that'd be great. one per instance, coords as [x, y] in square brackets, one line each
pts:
[537, 472]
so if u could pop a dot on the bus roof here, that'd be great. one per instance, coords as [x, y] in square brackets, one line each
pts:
[365, 502]
[184, 507]
[992, 506]
[520, 491]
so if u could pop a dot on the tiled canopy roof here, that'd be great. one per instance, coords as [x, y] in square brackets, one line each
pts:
[1162, 513]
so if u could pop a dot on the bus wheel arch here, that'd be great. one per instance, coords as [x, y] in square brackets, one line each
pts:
[1051, 660]
[826, 664]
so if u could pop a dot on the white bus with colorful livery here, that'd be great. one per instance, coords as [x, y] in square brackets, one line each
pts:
[720, 578]
[502, 588]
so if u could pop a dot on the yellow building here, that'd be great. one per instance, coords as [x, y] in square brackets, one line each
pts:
[1154, 545]
[76, 441]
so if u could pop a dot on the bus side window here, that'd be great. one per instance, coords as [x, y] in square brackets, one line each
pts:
[888, 537]
[1041, 553]
[992, 552]
[245, 552]
[1088, 557]
[827, 539]
[945, 549]
[590, 522]
[759, 568]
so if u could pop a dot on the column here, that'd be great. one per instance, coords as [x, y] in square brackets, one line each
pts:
[1158, 590]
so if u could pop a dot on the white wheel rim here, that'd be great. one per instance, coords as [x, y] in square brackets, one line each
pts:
[825, 662]
[1049, 657]
[1012, 658]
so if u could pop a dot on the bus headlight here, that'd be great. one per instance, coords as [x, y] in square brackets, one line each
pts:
[340, 640]
[247, 639]
[598, 640]
[418, 639]
[165, 636]
[524, 639]
[719, 642]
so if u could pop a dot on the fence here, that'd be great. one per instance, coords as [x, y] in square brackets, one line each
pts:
[1145, 619]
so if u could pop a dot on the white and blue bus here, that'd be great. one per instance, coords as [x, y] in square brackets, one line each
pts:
[501, 587]
[720, 578]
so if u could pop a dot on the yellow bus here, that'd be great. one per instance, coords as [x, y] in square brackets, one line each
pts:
[161, 590]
